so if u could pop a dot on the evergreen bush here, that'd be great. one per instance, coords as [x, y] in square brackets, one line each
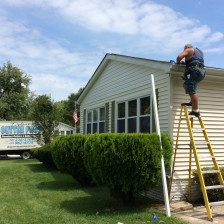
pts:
[43, 154]
[210, 180]
[67, 153]
[126, 163]
[167, 149]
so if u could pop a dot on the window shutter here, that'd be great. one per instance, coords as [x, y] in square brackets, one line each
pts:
[84, 121]
[113, 117]
[107, 117]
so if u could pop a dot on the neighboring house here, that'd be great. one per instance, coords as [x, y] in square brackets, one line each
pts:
[65, 129]
[117, 98]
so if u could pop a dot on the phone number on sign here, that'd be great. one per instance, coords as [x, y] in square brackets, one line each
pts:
[21, 141]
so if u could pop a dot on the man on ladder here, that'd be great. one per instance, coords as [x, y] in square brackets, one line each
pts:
[194, 73]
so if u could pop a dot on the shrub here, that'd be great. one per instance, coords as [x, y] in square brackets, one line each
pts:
[167, 146]
[67, 153]
[210, 180]
[126, 163]
[43, 154]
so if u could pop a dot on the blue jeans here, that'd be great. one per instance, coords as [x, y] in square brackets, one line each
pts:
[194, 75]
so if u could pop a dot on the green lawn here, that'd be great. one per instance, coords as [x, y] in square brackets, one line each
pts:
[31, 193]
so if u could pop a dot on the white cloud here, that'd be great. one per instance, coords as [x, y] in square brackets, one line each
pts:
[40, 56]
[135, 26]
[157, 23]
[59, 87]
[215, 50]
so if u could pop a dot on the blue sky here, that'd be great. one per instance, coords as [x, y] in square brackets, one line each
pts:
[60, 43]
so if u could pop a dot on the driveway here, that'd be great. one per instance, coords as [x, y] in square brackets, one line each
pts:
[198, 215]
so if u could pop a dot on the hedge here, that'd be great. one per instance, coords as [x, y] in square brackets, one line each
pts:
[126, 163]
[43, 154]
[210, 180]
[67, 153]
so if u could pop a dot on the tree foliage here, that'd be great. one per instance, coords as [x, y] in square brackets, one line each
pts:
[66, 108]
[14, 93]
[45, 117]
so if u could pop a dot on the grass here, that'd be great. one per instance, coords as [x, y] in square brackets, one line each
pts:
[31, 194]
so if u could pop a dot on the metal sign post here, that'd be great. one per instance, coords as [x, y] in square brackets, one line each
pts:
[165, 191]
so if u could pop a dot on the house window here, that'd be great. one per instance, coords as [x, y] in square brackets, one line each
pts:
[121, 118]
[62, 132]
[145, 114]
[134, 115]
[96, 120]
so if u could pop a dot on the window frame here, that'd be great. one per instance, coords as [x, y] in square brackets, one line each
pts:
[91, 110]
[126, 101]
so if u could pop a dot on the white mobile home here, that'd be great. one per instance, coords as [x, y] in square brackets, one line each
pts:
[117, 98]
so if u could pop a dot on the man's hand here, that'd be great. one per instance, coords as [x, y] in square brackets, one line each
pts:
[187, 54]
[182, 62]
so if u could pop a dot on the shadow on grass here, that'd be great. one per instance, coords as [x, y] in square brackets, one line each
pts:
[39, 167]
[59, 185]
[62, 182]
[99, 202]
[98, 199]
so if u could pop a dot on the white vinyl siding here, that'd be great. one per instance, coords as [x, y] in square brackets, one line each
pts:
[120, 80]
[211, 105]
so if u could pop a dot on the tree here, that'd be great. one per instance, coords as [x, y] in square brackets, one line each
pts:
[45, 117]
[67, 108]
[14, 93]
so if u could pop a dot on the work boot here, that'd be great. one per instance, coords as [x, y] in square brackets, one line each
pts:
[193, 113]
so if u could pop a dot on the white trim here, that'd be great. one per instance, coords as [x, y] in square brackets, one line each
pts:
[95, 106]
[138, 115]
[126, 116]
[133, 96]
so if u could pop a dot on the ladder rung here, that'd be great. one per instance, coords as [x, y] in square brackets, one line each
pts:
[198, 147]
[205, 157]
[198, 129]
[214, 187]
[192, 116]
[210, 171]
[201, 143]
[212, 204]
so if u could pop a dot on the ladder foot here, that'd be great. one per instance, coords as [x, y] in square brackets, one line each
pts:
[210, 219]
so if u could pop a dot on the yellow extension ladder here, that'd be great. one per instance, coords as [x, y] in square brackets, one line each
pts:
[210, 155]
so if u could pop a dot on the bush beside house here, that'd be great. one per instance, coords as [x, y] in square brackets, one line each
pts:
[210, 180]
[125, 163]
[43, 154]
[67, 153]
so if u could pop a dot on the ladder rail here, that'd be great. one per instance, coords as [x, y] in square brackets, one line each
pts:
[201, 178]
[220, 177]
[190, 163]
[174, 159]
[193, 151]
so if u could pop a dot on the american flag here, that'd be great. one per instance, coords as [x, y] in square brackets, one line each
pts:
[75, 115]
